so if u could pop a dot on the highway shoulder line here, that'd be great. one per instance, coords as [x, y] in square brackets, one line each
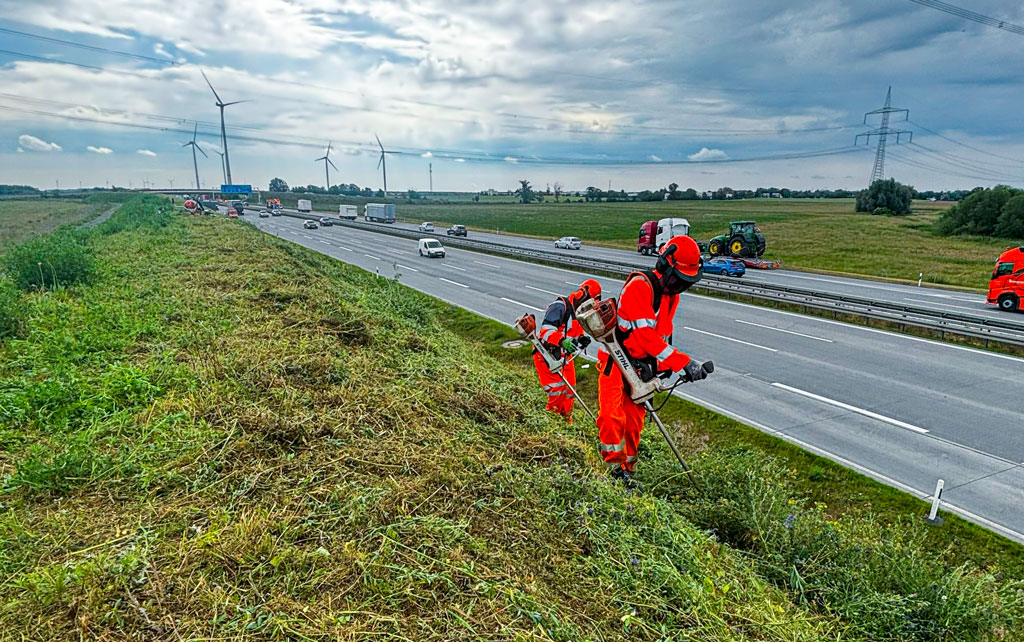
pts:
[799, 334]
[525, 305]
[461, 285]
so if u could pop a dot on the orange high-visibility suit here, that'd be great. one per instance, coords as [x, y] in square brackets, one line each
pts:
[559, 323]
[619, 420]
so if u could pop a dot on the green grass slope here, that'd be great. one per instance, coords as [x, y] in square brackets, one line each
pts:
[226, 436]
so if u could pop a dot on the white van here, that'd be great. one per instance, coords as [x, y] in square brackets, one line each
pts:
[347, 212]
[431, 248]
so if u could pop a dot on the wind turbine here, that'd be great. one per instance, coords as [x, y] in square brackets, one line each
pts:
[194, 145]
[326, 158]
[222, 169]
[223, 133]
[382, 163]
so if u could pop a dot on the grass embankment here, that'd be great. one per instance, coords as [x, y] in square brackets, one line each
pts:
[820, 234]
[21, 219]
[226, 436]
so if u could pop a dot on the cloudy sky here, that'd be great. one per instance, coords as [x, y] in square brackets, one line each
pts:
[636, 94]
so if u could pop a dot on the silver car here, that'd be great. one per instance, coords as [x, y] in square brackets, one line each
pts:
[568, 243]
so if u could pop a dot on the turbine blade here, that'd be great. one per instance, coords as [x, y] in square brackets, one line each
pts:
[380, 161]
[332, 164]
[236, 102]
[320, 159]
[200, 149]
[211, 86]
[379, 143]
[194, 132]
[186, 144]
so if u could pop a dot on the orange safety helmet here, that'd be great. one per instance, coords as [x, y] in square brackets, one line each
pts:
[680, 264]
[589, 289]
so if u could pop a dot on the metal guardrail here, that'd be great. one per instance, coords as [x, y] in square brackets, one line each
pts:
[955, 323]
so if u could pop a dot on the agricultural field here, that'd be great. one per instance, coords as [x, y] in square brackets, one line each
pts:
[247, 439]
[20, 219]
[814, 234]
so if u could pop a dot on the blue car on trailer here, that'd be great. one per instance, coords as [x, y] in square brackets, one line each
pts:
[726, 266]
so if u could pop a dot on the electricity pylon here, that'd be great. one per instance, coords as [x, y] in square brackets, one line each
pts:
[883, 132]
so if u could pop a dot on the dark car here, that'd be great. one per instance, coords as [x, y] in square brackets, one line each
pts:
[310, 225]
[326, 222]
[239, 207]
[457, 230]
[726, 266]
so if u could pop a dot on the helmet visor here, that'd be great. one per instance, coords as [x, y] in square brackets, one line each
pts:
[676, 282]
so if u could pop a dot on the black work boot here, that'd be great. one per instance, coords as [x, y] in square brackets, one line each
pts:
[626, 476]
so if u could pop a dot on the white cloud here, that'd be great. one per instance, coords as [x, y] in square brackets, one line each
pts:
[159, 50]
[21, 151]
[511, 159]
[656, 159]
[426, 155]
[190, 48]
[145, 152]
[706, 154]
[99, 150]
[460, 160]
[34, 144]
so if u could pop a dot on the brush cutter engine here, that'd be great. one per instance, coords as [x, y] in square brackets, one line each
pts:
[600, 319]
[526, 326]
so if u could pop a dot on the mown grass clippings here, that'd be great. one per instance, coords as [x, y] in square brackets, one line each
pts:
[236, 469]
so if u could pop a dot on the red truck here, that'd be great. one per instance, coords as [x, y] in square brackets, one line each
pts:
[654, 234]
[1006, 288]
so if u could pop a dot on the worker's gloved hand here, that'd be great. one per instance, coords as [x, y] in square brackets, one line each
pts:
[695, 371]
[568, 345]
[583, 342]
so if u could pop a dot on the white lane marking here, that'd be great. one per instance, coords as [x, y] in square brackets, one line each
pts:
[949, 296]
[324, 242]
[522, 304]
[461, 285]
[540, 290]
[768, 327]
[746, 343]
[453, 267]
[406, 267]
[487, 264]
[855, 326]
[952, 305]
[854, 409]
[346, 248]
[370, 256]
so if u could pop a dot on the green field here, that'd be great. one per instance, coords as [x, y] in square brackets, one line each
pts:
[818, 235]
[244, 439]
[20, 219]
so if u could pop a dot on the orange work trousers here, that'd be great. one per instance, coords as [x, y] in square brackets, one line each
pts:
[619, 420]
[560, 399]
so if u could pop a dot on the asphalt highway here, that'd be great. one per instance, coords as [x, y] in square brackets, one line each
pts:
[929, 297]
[902, 409]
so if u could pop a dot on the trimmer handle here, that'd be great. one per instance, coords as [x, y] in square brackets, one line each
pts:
[709, 366]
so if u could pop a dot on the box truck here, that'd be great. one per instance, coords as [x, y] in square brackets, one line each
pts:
[380, 212]
[347, 212]
[304, 206]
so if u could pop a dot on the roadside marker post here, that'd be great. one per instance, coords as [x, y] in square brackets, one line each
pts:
[920, 277]
[933, 514]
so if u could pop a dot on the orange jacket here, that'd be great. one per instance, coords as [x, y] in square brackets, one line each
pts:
[649, 331]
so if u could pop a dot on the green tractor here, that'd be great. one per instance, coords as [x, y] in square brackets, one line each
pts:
[743, 241]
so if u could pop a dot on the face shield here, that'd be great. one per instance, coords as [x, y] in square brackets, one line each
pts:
[675, 282]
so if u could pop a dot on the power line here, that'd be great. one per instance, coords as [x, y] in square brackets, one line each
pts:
[80, 45]
[575, 127]
[971, 15]
[962, 144]
[933, 153]
[482, 157]
[941, 170]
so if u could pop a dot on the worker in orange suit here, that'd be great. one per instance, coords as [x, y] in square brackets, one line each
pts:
[646, 307]
[561, 334]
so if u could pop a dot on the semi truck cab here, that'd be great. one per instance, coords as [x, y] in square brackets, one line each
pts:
[1006, 287]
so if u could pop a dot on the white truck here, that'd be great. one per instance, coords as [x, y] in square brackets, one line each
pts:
[347, 212]
[380, 212]
[304, 206]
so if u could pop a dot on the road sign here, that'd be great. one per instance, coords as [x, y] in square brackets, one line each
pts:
[236, 189]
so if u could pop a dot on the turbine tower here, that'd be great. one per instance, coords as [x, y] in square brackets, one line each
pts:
[326, 158]
[194, 145]
[223, 133]
[222, 169]
[883, 132]
[382, 163]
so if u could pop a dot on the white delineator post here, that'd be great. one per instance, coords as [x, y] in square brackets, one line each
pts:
[933, 514]
[920, 277]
